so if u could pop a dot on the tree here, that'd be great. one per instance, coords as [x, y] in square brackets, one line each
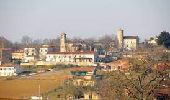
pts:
[4, 43]
[130, 85]
[163, 38]
[106, 40]
[26, 40]
[17, 46]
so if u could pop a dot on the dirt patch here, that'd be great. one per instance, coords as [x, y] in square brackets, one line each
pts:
[29, 86]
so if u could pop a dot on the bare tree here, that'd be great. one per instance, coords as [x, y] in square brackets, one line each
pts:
[26, 40]
[107, 41]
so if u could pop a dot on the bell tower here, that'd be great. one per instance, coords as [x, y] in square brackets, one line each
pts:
[63, 42]
[120, 38]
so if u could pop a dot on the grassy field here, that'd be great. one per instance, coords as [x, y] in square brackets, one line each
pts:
[29, 86]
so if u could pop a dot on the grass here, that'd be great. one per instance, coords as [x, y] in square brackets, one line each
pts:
[26, 87]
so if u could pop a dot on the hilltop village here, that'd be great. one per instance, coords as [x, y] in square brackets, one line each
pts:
[123, 68]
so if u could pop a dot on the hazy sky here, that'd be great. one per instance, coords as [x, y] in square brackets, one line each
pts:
[82, 18]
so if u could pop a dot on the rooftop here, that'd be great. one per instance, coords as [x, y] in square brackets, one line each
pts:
[18, 51]
[130, 37]
[8, 65]
[88, 69]
[85, 52]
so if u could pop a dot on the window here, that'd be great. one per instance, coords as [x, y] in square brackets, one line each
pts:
[90, 96]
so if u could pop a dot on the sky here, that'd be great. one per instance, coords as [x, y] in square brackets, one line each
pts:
[41, 19]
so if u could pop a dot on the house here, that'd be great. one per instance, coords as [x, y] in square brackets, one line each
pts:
[92, 95]
[116, 65]
[66, 46]
[130, 42]
[127, 42]
[9, 69]
[18, 55]
[152, 41]
[29, 54]
[74, 58]
[44, 50]
[83, 76]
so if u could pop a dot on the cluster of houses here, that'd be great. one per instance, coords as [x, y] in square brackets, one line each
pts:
[70, 53]
[79, 54]
[85, 77]
[9, 70]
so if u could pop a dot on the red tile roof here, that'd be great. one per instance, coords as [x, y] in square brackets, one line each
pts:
[130, 37]
[124, 63]
[8, 65]
[86, 52]
[89, 69]
[18, 51]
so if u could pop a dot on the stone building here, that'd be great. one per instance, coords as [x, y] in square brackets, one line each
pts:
[66, 46]
[74, 58]
[120, 38]
[126, 42]
[44, 50]
[9, 69]
[29, 54]
[18, 55]
[63, 43]
[130, 42]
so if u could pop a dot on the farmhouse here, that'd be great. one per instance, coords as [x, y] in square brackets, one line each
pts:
[75, 58]
[83, 76]
[9, 69]
[18, 55]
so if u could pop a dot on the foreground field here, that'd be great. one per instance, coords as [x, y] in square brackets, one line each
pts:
[29, 86]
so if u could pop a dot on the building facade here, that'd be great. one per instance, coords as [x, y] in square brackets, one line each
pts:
[130, 42]
[75, 58]
[44, 50]
[63, 42]
[29, 54]
[9, 70]
[18, 55]
[120, 38]
[71, 46]
[126, 42]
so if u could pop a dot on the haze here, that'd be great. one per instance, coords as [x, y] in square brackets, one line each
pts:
[41, 19]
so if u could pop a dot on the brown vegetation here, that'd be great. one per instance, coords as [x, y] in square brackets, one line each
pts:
[26, 87]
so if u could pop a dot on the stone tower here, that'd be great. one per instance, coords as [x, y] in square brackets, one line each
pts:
[120, 38]
[63, 42]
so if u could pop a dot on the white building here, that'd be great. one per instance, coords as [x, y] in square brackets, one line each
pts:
[66, 46]
[75, 58]
[9, 70]
[29, 54]
[127, 42]
[44, 50]
[152, 41]
[130, 42]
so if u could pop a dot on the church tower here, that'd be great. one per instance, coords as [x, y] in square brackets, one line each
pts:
[120, 38]
[63, 42]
